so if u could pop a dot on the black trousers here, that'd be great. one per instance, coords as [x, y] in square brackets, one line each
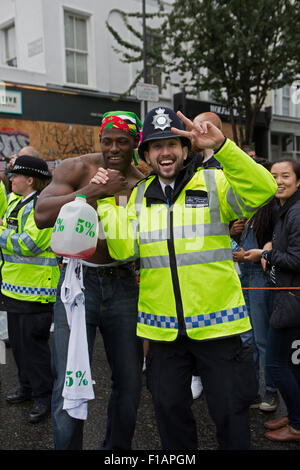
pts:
[29, 338]
[228, 376]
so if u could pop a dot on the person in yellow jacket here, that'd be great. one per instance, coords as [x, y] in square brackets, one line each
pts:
[29, 277]
[191, 305]
[3, 199]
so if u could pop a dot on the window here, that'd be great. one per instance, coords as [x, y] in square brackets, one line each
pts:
[153, 71]
[76, 49]
[275, 101]
[286, 100]
[10, 56]
[287, 143]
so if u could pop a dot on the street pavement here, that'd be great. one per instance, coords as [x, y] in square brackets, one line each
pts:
[17, 434]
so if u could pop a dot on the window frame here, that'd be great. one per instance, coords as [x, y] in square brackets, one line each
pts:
[76, 51]
[7, 60]
[286, 98]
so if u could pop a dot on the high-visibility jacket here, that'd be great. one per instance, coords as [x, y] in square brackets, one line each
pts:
[30, 271]
[3, 199]
[188, 283]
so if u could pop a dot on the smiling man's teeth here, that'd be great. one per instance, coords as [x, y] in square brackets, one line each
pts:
[166, 162]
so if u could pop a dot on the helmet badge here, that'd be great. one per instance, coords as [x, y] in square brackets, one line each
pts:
[161, 120]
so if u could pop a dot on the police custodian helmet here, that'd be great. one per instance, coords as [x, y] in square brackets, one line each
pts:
[31, 166]
[157, 125]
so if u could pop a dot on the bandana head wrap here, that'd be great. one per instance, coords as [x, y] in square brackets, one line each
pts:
[125, 121]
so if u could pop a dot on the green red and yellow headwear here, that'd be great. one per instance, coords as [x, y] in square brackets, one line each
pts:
[125, 121]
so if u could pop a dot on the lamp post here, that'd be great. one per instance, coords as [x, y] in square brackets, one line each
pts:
[145, 52]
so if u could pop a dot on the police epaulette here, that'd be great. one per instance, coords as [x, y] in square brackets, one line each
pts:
[144, 179]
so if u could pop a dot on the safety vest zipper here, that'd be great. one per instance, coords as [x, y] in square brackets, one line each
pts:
[174, 272]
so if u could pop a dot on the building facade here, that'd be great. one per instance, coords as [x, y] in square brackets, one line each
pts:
[285, 122]
[59, 73]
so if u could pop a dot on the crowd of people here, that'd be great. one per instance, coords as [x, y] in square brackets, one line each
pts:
[171, 297]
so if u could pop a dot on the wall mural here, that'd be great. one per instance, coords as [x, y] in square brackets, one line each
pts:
[54, 141]
[60, 141]
[11, 141]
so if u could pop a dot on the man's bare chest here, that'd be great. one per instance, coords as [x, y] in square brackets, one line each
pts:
[90, 170]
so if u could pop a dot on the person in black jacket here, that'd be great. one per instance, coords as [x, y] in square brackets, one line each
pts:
[283, 259]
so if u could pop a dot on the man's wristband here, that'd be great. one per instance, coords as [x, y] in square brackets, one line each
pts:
[266, 254]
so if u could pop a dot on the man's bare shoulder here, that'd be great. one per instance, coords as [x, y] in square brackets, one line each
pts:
[74, 170]
[92, 158]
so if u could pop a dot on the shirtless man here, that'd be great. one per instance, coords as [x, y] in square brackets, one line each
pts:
[111, 291]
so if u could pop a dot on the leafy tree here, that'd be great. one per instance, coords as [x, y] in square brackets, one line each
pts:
[237, 49]
[133, 52]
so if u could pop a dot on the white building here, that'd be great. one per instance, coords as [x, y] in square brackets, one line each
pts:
[285, 123]
[59, 73]
[58, 68]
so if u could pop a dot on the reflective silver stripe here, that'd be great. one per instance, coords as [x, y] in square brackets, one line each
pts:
[15, 243]
[238, 206]
[29, 260]
[159, 235]
[249, 208]
[4, 237]
[136, 223]
[214, 206]
[208, 256]
[231, 200]
[151, 262]
[196, 321]
[139, 199]
[185, 231]
[26, 212]
[186, 259]
[27, 240]
[15, 238]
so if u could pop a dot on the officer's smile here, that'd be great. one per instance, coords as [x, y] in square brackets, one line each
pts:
[166, 162]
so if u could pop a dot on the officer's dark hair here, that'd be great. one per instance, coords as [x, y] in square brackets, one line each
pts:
[40, 184]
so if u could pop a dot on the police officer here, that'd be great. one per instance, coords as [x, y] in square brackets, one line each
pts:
[191, 305]
[3, 199]
[29, 279]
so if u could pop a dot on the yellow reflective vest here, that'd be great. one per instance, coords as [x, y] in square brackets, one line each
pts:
[3, 199]
[188, 283]
[30, 271]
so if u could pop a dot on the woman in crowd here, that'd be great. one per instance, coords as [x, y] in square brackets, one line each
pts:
[257, 231]
[283, 260]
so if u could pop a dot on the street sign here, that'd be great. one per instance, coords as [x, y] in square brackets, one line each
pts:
[147, 92]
